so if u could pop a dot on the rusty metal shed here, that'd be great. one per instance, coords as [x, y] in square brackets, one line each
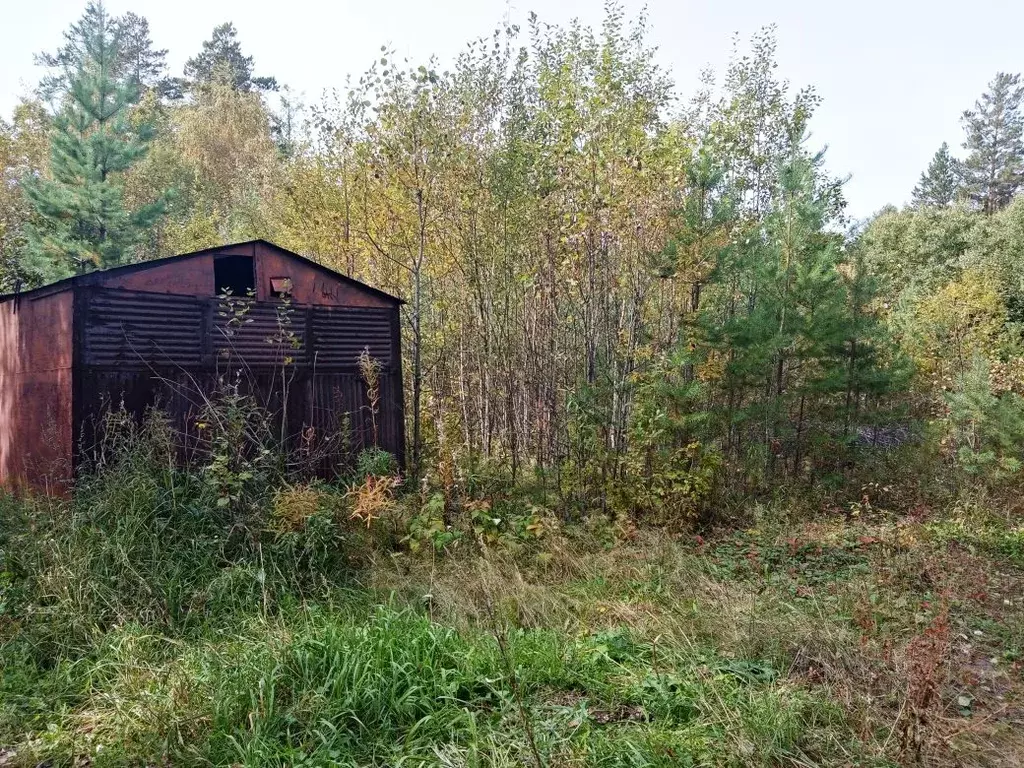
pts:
[162, 333]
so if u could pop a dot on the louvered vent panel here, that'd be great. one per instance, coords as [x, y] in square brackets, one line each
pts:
[132, 329]
[341, 334]
[262, 336]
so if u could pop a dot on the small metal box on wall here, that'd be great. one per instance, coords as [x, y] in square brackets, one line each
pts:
[170, 332]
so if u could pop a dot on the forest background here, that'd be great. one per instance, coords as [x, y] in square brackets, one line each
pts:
[637, 321]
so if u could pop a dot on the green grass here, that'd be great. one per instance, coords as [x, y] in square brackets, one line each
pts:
[982, 530]
[385, 685]
[144, 625]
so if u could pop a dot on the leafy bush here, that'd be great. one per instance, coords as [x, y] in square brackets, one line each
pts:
[375, 462]
[668, 486]
[244, 458]
[428, 526]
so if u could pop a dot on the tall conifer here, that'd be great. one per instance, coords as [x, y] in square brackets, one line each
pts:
[994, 169]
[940, 184]
[82, 222]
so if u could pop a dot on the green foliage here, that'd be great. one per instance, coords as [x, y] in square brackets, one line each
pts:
[915, 249]
[964, 318]
[994, 168]
[81, 219]
[375, 462]
[940, 184]
[137, 62]
[559, 230]
[221, 61]
[553, 228]
[243, 463]
[23, 151]
[428, 527]
[951, 284]
[755, 128]
[133, 630]
[217, 152]
[507, 521]
[135, 606]
[986, 428]
[143, 541]
[666, 476]
[673, 487]
[788, 345]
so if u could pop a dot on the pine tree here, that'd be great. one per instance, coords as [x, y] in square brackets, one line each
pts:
[142, 64]
[82, 221]
[940, 184]
[786, 332]
[994, 169]
[137, 61]
[221, 61]
[986, 428]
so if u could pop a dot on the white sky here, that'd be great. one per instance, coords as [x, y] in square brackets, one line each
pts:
[895, 74]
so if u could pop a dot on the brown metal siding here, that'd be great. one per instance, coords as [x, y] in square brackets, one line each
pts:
[193, 276]
[267, 333]
[142, 349]
[310, 286]
[155, 334]
[259, 335]
[36, 391]
[141, 329]
[188, 277]
[340, 336]
[131, 328]
[326, 402]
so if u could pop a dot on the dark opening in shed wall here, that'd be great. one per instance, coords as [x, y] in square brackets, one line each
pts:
[234, 275]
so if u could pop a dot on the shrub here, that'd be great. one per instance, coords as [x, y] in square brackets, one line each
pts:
[667, 487]
[986, 429]
[244, 458]
[372, 498]
[375, 462]
[293, 506]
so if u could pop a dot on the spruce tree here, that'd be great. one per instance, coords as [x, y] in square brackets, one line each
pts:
[940, 184]
[994, 169]
[82, 222]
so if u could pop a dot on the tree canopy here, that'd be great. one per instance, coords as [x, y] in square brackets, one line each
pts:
[80, 220]
[603, 278]
[221, 61]
[940, 184]
[994, 167]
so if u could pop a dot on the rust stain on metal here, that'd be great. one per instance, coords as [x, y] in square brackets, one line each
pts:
[35, 391]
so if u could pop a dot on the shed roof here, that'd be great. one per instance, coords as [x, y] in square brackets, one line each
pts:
[90, 278]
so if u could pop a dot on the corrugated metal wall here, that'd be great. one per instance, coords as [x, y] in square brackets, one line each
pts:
[128, 328]
[139, 349]
[144, 329]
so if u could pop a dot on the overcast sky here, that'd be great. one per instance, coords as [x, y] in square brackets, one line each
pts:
[895, 74]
